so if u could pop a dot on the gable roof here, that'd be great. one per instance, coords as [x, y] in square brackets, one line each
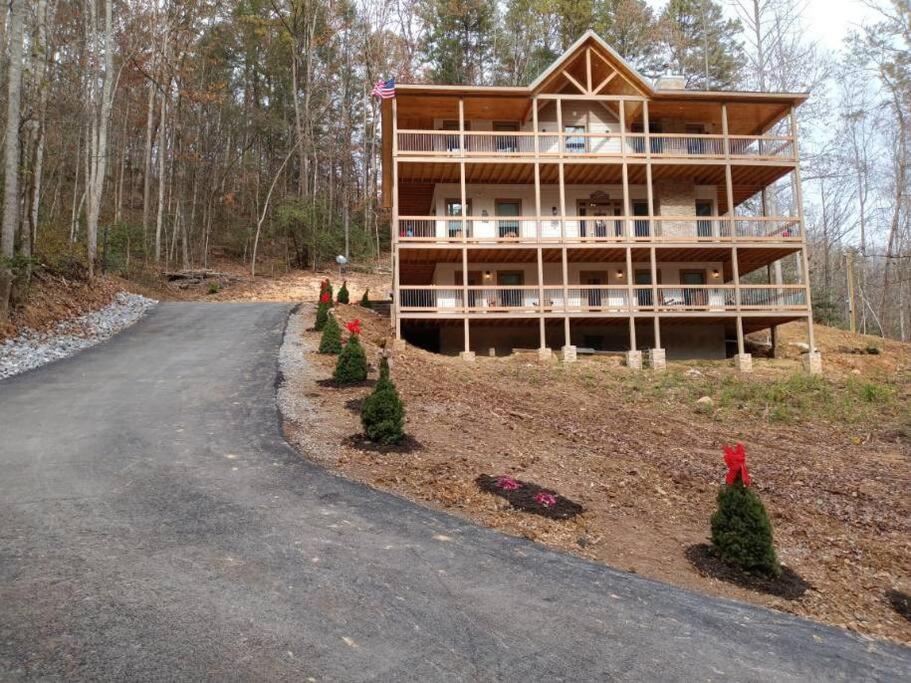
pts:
[607, 54]
[572, 53]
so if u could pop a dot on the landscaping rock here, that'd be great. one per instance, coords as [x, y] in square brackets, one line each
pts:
[32, 349]
[705, 404]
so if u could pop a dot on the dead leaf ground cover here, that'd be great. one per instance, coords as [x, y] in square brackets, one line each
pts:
[830, 458]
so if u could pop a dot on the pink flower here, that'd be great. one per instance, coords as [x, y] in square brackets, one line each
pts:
[507, 483]
[545, 498]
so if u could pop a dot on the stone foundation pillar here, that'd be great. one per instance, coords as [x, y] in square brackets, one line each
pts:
[544, 353]
[656, 359]
[569, 354]
[813, 362]
[467, 355]
[634, 360]
[398, 344]
[744, 362]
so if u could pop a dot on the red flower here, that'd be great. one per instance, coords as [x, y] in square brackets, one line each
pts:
[507, 483]
[324, 297]
[354, 327]
[545, 498]
[735, 458]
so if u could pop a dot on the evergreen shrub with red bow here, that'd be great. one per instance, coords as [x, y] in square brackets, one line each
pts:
[352, 361]
[322, 308]
[741, 529]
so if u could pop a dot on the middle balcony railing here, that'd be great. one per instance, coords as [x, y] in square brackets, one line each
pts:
[550, 229]
[598, 299]
[606, 144]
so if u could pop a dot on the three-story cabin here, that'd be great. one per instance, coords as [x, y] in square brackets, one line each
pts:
[591, 209]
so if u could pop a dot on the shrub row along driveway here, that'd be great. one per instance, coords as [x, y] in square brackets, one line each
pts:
[154, 524]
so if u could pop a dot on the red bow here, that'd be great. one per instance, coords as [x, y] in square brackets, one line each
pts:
[735, 457]
[354, 327]
[324, 298]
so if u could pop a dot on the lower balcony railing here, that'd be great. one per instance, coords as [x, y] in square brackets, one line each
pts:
[521, 229]
[599, 299]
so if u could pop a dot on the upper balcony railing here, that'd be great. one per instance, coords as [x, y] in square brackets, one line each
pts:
[594, 145]
[553, 229]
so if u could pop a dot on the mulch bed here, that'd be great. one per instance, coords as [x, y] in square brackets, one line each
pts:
[331, 383]
[789, 585]
[360, 442]
[901, 603]
[523, 498]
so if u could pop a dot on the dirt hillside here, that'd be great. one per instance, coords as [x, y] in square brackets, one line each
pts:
[831, 458]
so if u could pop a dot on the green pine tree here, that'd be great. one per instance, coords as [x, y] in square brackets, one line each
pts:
[742, 531]
[702, 44]
[365, 300]
[352, 363]
[331, 341]
[322, 316]
[383, 413]
[343, 293]
[458, 43]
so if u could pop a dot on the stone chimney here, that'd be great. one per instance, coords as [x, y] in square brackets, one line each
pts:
[671, 82]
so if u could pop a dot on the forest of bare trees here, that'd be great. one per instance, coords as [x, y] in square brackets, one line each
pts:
[143, 135]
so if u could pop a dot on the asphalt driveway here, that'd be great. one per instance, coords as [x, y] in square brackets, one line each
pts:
[155, 525]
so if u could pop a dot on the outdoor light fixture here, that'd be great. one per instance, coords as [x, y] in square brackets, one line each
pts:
[486, 274]
[715, 273]
[620, 274]
[553, 210]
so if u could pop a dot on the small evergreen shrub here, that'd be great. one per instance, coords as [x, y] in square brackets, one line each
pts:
[383, 413]
[343, 293]
[322, 316]
[214, 287]
[331, 341]
[365, 300]
[741, 529]
[352, 363]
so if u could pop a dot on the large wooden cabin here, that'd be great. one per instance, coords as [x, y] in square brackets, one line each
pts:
[592, 209]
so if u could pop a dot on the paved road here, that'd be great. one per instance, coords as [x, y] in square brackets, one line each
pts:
[155, 525]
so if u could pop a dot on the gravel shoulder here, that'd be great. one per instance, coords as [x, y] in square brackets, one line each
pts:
[31, 349]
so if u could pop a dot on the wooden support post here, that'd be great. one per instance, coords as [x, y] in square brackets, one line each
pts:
[540, 281]
[649, 189]
[654, 266]
[735, 269]
[804, 262]
[562, 203]
[559, 105]
[464, 280]
[463, 198]
[396, 274]
[630, 294]
[534, 118]
[467, 338]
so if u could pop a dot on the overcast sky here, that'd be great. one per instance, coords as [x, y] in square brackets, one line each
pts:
[825, 20]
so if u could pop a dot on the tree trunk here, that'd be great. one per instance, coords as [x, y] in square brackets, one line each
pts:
[11, 155]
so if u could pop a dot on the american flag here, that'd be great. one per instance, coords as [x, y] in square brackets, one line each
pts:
[384, 89]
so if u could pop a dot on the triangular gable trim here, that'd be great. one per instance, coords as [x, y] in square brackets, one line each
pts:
[632, 76]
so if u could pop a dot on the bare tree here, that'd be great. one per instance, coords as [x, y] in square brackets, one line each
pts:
[11, 155]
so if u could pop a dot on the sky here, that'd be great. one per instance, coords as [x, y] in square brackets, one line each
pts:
[827, 21]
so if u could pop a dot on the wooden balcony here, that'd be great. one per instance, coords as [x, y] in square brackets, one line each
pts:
[556, 230]
[568, 146]
[600, 300]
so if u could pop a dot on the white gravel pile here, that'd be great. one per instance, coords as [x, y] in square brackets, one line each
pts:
[32, 349]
